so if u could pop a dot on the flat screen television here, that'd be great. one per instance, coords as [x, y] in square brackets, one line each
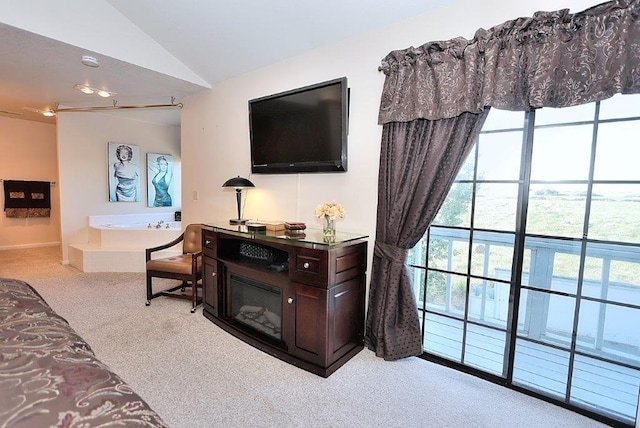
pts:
[302, 130]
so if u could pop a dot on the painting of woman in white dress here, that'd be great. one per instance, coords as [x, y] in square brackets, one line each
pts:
[124, 173]
[160, 178]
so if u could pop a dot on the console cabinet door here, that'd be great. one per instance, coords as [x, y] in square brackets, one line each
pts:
[210, 285]
[345, 306]
[310, 332]
[328, 323]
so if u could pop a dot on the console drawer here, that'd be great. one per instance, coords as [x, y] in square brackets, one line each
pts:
[310, 266]
[209, 243]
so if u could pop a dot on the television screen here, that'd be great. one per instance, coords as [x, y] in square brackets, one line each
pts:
[303, 130]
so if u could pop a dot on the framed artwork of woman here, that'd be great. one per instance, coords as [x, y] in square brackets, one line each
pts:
[160, 180]
[124, 172]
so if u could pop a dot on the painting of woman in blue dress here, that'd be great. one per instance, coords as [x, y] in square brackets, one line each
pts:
[124, 174]
[160, 177]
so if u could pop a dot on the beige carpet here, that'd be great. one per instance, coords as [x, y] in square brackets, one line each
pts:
[196, 375]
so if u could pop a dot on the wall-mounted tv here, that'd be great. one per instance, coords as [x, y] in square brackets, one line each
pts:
[302, 130]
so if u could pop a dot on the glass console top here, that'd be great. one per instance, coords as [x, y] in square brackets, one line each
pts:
[310, 235]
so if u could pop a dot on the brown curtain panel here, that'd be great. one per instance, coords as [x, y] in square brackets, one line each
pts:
[418, 163]
[434, 101]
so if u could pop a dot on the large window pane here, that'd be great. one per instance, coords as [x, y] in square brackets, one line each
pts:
[556, 209]
[456, 209]
[562, 153]
[443, 336]
[610, 331]
[612, 272]
[618, 151]
[449, 249]
[496, 206]
[446, 293]
[541, 368]
[605, 388]
[489, 302]
[552, 264]
[484, 349]
[499, 156]
[615, 212]
[546, 317]
[492, 255]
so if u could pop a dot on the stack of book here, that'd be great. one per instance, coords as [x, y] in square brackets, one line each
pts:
[279, 228]
[295, 230]
[274, 226]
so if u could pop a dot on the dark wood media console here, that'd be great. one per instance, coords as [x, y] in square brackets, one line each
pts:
[299, 300]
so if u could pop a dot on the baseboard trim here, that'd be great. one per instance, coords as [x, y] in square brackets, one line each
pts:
[23, 246]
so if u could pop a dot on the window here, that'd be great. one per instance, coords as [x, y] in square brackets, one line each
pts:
[531, 270]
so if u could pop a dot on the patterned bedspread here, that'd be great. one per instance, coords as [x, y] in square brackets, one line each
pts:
[49, 376]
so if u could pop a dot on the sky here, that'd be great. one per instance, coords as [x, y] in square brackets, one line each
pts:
[563, 153]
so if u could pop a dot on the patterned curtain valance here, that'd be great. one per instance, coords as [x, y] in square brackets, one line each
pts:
[554, 59]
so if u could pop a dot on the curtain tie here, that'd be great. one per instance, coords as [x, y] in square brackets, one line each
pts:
[390, 252]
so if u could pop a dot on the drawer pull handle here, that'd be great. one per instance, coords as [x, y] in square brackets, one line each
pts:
[207, 242]
[290, 300]
[306, 265]
[213, 274]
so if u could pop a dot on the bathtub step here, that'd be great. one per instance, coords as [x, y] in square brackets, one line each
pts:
[95, 258]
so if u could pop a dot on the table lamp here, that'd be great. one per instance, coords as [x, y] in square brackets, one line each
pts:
[238, 183]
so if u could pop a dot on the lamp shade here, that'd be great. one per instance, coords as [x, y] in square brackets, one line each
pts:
[238, 182]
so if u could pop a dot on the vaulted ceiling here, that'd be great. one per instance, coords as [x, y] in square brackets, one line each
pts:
[159, 51]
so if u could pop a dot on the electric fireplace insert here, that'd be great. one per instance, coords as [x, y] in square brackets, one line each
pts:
[256, 305]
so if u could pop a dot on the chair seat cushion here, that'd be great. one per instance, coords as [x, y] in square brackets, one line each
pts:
[176, 264]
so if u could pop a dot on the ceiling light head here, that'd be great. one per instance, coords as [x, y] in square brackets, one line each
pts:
[89, 61]
[85, 89]
[48, 113]
[90, 91]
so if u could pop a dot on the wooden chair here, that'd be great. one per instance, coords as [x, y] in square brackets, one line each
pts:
[186, 267]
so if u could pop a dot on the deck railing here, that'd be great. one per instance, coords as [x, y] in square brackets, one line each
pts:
[604, 327]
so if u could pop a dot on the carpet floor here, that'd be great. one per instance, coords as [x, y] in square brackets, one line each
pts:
[196, 375]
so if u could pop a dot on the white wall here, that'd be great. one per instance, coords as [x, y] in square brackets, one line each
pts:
[215, 135]
[29, 153]
[96, 26]
[84, 169]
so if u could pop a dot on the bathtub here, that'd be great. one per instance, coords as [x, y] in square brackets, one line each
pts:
[117, 243]
[136, 235]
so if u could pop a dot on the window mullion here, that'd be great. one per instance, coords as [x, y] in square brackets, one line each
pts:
[583, 253]
[518, 257]
[470, 244]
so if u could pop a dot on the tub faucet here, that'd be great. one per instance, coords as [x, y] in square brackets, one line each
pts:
[159, 225]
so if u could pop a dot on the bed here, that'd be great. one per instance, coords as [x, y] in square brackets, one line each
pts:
[49, 376]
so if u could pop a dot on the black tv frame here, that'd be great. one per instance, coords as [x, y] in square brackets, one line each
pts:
[337, 165]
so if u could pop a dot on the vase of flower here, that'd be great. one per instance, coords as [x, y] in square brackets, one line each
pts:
[329, 212]
[329, 230]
